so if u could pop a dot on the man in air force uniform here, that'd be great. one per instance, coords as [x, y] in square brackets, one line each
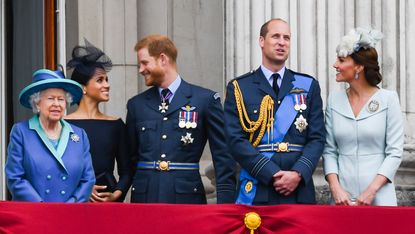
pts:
[274, 125]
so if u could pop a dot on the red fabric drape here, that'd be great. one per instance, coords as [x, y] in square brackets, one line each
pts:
[22, 217]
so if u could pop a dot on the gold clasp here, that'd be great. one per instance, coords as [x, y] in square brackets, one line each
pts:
[163, 165]
[283, 147]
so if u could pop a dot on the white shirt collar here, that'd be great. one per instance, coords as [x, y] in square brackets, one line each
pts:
[173, 86]
[268, 74]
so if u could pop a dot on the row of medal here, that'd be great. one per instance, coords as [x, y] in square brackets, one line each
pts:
[300, 105]
[188, 119]
[300, 102]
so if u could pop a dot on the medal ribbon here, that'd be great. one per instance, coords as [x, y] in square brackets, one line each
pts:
[165, 95]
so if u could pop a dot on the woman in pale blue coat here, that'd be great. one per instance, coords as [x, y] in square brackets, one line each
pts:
[48, 159]
[364, 127]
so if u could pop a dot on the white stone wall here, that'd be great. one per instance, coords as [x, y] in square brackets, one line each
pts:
[112, 26]
[317, 26]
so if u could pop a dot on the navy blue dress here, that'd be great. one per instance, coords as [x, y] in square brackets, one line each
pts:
[107, 139]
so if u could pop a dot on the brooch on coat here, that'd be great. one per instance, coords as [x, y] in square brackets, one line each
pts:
[74, 137]
[373, 106]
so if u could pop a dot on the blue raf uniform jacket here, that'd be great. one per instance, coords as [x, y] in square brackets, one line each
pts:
[254, 87]
[36, 171]
[155, 136]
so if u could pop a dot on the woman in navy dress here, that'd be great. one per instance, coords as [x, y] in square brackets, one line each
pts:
[106, 133]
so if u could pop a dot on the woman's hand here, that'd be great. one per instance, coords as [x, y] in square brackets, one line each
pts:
[366, 198]
[97, 196]
[340, 196]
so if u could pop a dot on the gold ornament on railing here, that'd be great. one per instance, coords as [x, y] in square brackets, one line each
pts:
[265, 119]
[252, 221]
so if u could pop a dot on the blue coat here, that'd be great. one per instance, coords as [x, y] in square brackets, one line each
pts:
[360, 147]
[156, 136]
[36, 171]
[254, 86]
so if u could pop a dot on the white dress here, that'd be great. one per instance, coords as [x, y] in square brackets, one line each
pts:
[359, 148]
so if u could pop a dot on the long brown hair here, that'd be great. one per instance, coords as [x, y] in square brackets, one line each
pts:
[368, 58]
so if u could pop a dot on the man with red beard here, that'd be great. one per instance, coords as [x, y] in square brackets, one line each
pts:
[168, 126]
[274, 125]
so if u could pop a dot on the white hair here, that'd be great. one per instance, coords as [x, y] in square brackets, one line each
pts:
[34, 99]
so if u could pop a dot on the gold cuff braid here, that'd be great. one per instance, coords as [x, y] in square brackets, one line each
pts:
[265, 119]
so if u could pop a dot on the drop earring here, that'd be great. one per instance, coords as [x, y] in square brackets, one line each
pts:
[356, 76]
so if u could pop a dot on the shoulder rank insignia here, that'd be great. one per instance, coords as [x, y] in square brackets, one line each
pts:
[244, 75]
[216, 96]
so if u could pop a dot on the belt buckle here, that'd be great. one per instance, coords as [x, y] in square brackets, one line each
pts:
[283, 147]
[163, 165]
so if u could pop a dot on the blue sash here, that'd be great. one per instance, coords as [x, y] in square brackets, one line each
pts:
[284, 116]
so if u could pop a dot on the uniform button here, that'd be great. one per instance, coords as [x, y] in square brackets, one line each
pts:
[195, 190]
[64, 177]
[165, 118]
[63, 192]
[163, 155]
[255, 111]
[143, 129]
[47, 191]
[132, 188]
[48, 177]
[164, 137]
[279, 102]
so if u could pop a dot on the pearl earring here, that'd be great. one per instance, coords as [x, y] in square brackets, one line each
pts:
[356, 76]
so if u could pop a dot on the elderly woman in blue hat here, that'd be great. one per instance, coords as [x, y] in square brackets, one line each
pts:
[48, 158]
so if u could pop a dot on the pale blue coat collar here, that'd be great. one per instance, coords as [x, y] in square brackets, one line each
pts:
[63, 141]
[341, 104]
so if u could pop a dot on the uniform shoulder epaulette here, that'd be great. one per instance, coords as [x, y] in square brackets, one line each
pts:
[244, 75]
[301, 74]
